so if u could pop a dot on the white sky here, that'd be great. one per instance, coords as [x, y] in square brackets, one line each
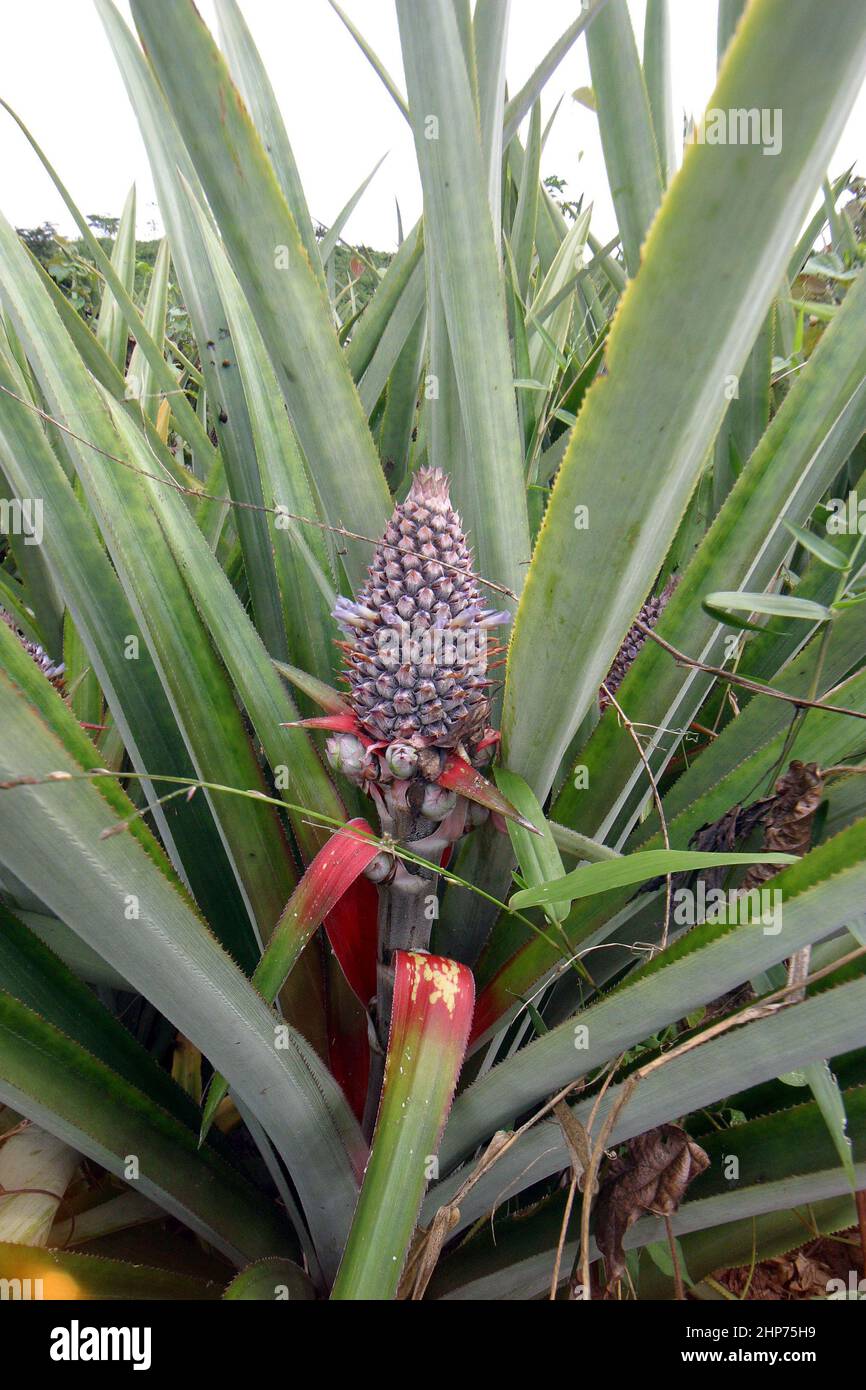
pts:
[57, 71]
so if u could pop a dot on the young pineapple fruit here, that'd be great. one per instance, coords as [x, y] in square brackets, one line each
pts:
[417, 654]
[416, 660]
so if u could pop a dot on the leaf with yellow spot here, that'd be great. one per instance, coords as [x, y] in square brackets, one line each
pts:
[432, 1013]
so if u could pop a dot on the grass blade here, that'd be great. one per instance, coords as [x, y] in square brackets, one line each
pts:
[633, 868]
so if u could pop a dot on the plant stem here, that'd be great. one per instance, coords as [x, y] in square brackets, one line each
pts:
[405, 924]
[679, 1291]
[757, 686]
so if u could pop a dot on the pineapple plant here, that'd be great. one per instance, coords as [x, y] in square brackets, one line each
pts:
[390, 673]
[416, 665]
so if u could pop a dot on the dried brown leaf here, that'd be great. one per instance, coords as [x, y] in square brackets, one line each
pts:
[650, 1177]
[788, 817]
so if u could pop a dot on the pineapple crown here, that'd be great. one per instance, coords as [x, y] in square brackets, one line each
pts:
[417, 650]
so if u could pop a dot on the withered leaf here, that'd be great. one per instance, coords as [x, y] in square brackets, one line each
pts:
[810, 1276]
[651, 1177]
[788, 817]
[577, 1141]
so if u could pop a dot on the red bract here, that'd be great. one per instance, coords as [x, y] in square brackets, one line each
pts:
[330, 876]
[351, 929]
[348, 1038]
[337, 723]
[459, 776]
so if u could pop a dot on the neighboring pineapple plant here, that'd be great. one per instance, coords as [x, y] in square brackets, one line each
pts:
[432, 821]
